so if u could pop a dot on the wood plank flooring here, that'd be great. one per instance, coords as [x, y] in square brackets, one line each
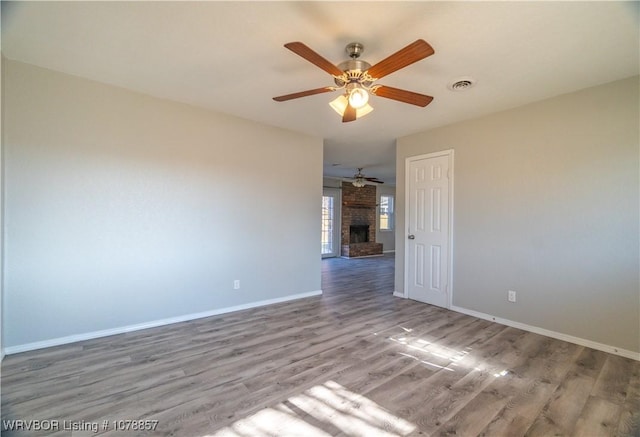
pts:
[354, 362]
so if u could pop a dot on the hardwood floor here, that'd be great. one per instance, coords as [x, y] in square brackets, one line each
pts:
[356, 361]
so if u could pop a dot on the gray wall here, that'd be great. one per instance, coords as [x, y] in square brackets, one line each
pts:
[332, 182]
[546, 203]
[123, 209]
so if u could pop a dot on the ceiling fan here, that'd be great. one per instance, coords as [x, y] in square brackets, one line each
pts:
[359, 179]
[357, 78]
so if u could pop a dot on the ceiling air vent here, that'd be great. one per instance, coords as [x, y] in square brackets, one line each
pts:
[462, 84]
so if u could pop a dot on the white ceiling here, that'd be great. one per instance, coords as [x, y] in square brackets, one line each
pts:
[229, 56]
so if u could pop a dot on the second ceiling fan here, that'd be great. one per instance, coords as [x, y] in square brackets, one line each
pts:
[357, 78]
[360, 180]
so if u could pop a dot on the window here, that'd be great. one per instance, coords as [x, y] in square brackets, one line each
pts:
[327, 225]
[386, 212]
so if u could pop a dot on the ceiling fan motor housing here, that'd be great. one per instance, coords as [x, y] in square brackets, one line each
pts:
[353, 68]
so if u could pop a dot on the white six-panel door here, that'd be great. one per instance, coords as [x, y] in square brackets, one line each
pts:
[428, 228]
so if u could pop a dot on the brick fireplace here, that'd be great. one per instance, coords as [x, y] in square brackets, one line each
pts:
[359, 221]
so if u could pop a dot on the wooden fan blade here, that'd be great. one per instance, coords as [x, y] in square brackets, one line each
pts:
[302, 50]
[349, 114]
[415, 51]
[302, 94]
[375, 180]
[403, 95]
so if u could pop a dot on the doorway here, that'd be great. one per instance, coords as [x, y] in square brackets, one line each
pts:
[429, 212]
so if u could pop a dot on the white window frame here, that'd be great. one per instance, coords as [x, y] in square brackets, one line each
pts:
[391, 213]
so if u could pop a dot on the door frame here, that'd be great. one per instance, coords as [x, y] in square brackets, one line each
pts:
[407, 162]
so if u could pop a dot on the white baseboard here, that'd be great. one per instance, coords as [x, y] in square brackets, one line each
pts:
[152, 324]
[398, 294]
[389, 251]
[553, 334]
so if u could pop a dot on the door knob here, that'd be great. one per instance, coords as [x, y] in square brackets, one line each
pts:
[411, 237]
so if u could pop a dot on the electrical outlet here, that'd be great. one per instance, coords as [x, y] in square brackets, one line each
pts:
[512, 296]
[236, 284]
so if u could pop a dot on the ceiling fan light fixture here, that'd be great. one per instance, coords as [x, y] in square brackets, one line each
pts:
[358, 98]
[340, 103]
[358, 179]
[364, 110]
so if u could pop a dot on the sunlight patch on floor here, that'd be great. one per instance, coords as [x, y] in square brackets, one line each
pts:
[428, 363]
[425, 347]
[277, 421]
[323, 410]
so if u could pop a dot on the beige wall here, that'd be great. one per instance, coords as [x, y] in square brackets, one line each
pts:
[546, 204]
[123, 209]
